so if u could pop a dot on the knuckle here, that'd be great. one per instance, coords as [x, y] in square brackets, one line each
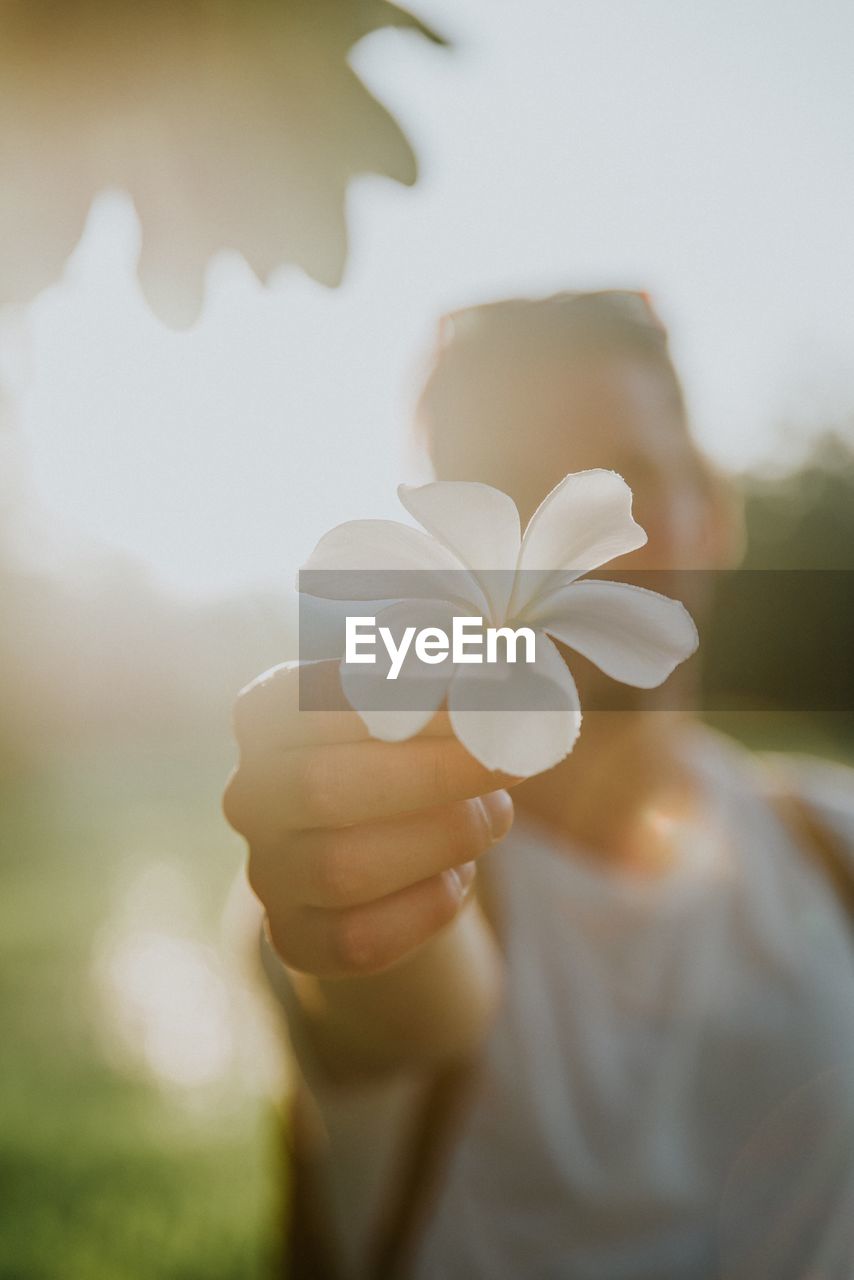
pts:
[355, 944]
[234, 802]
[318, 787]
[264, 700]
[283, 942]
[336, 874]
[258, 876]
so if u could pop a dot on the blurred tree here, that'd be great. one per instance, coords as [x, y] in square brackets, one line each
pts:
[805, 520]
[232, 123]
[782, 634]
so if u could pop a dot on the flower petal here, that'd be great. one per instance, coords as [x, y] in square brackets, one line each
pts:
[394, 710]
[585, 521]
[632, 634]
[478, 524]
[382, 560]
[517, 717]
[367, 545]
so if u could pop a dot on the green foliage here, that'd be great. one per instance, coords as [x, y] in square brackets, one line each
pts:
[805, 520]
[781, 634]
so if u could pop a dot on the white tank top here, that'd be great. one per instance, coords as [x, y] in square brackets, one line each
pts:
[668, 1090]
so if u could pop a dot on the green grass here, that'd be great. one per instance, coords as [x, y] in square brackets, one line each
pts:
[108, 1171]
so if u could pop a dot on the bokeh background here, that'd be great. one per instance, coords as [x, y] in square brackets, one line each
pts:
[161, 482]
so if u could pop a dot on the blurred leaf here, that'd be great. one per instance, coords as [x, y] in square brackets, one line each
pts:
[232, 125]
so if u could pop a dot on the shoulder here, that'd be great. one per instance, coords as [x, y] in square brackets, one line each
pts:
[794, 787]
[827, 787]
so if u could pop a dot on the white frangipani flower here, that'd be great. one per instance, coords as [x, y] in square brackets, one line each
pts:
[519, 718]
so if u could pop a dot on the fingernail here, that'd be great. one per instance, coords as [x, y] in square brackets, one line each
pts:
[465, 874]
[498, 808]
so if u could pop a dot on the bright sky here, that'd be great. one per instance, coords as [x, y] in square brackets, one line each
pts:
[700, 150]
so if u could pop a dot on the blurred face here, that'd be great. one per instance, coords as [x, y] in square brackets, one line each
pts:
[617, 413]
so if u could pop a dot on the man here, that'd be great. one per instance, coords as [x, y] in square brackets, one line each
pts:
[620, 1046]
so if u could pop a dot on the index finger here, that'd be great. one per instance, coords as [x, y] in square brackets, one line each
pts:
[346, 783]
[278, 710]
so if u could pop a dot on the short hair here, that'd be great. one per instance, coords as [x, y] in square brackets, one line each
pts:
[504, 338]
[496, 351]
